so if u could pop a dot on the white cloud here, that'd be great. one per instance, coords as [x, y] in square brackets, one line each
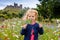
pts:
[1, 8]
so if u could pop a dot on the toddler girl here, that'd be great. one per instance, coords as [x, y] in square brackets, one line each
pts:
[30, 31]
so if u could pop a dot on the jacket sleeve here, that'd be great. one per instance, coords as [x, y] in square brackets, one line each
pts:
[23, 31]
[40, 30]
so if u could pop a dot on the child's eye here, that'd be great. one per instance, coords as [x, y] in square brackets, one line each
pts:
[29, 16]
[32, 16]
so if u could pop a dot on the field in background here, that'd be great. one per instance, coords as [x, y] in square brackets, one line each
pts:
[10, 30]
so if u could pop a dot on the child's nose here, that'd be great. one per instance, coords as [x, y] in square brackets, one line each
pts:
[30, 18]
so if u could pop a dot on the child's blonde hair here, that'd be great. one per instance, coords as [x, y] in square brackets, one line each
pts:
[25, 17]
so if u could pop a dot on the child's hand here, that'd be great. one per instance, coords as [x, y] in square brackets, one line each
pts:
[24, 26]
[40, 25]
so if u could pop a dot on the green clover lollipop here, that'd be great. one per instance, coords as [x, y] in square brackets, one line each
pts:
[28, 21]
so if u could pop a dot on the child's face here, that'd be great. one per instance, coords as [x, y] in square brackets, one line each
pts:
[31, 16]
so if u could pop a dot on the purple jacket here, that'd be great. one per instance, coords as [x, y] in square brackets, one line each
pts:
[27, 32]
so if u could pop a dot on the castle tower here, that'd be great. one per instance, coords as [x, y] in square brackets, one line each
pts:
[20, 6]
[15, 4]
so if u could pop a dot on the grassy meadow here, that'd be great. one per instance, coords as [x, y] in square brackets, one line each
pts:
[10, 30]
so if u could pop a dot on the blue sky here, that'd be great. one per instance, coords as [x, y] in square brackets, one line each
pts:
[25, 3]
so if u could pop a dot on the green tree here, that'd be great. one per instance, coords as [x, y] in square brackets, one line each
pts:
[22, 12]
[45, 8]
[56, 10]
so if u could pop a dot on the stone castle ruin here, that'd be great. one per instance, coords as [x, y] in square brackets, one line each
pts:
[15, 6]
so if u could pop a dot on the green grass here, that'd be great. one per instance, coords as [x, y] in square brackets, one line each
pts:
[12, 32]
